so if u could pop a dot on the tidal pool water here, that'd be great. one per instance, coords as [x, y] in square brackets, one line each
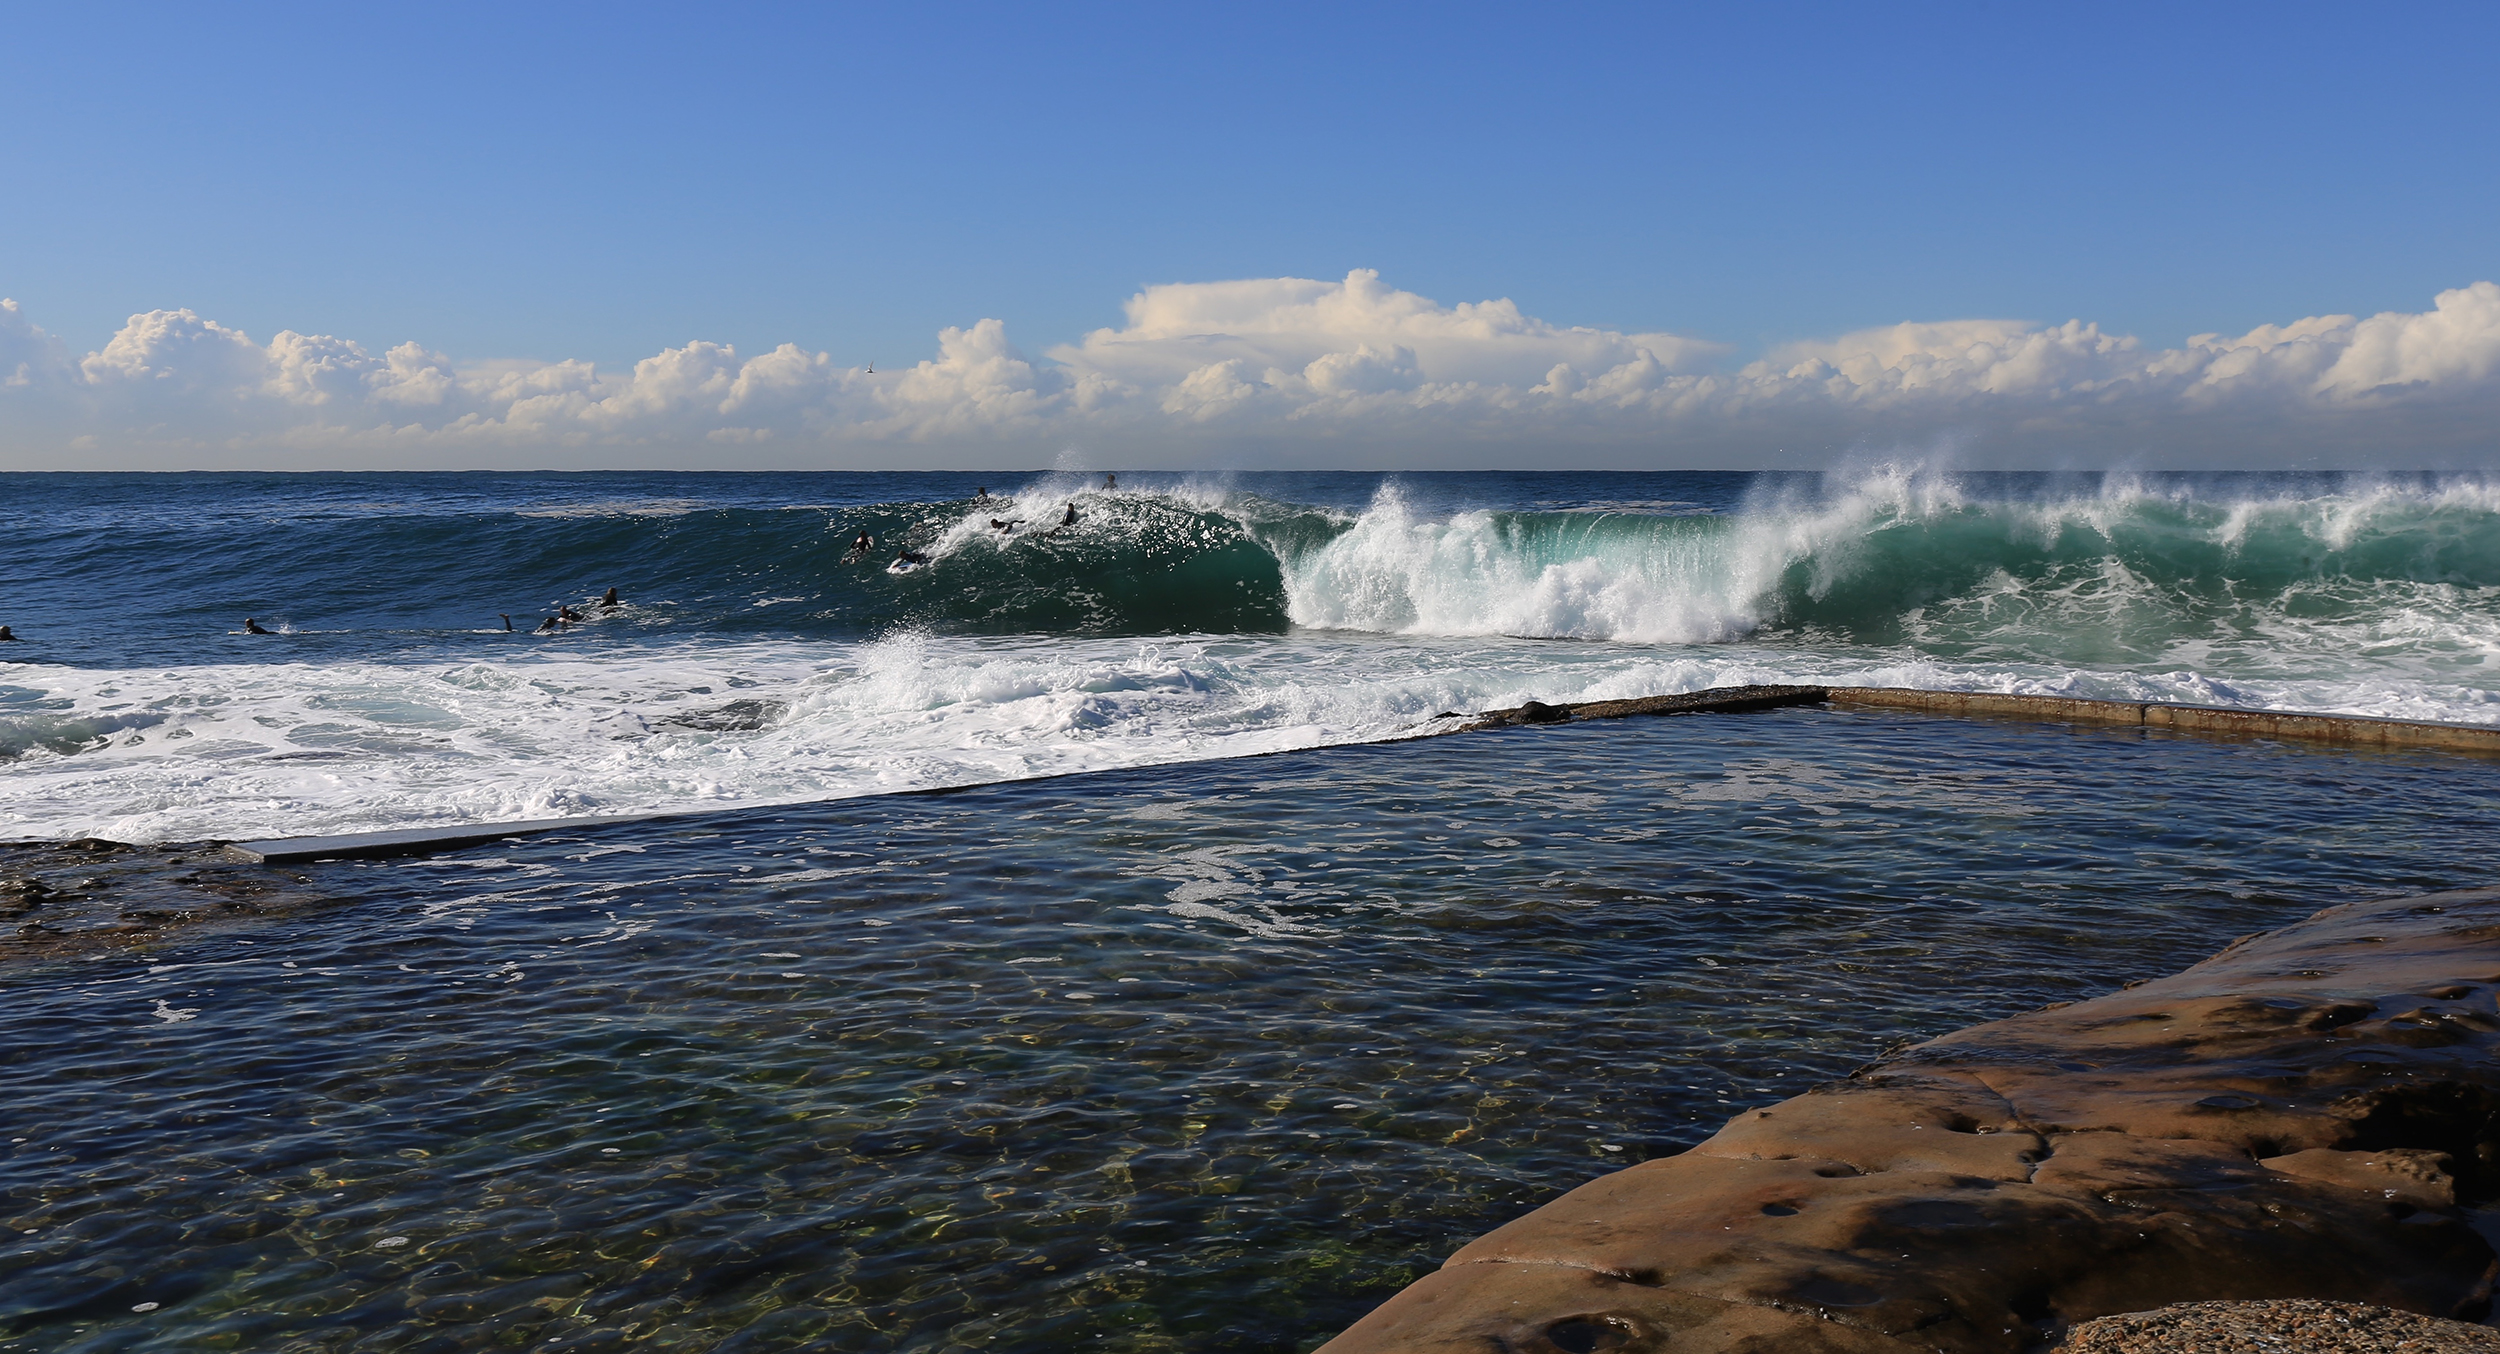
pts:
[1202, 1057]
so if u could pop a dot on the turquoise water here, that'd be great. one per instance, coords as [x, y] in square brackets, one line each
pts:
[1176, 619]
[1199, 1058]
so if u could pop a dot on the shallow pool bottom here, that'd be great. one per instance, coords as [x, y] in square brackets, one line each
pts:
[1209, 1057]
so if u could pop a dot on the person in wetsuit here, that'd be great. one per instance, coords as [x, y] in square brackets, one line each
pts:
[252, 627]
[1068, 519]
[862, 543]
[507, 621]
[7, 636]
[907, 555]
[547, 626]
[610, 601]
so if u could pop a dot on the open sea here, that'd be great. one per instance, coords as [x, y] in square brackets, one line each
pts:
[1198, 1051]
[1178, 619]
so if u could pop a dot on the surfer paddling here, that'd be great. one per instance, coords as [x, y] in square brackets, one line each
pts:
[253, 627]
[7, 636]
[610, 601]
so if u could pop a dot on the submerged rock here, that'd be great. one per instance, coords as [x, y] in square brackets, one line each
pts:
[145, 895]
[2308, 1115]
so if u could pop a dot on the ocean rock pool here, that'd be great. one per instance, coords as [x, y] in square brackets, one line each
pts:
[1210, 1057]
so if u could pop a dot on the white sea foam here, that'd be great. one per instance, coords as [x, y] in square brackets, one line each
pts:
[1896, 549]
[287, 749]
[1483, 573]
[2123, 592]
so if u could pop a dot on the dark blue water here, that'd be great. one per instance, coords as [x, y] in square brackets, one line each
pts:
[1175, 618]
[1207, 1057]
[122, 569]
[119, 569]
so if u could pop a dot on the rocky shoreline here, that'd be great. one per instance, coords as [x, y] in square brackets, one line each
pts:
[2313, 1114]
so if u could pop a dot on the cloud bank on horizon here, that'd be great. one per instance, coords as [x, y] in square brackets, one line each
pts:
[1283, 372]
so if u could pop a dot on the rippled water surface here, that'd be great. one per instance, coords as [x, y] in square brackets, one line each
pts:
[1210, 1057]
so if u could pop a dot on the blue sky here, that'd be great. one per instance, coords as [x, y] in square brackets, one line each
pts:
[603, 182]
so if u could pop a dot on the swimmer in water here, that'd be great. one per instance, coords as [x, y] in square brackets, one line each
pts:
[1069, 518]
[507, 621]
[1110, 480]
[252, 627]
[610, 601]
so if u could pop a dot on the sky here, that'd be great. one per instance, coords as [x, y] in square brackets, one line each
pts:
[579, 235]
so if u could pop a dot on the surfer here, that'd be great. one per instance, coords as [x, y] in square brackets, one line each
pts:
[507, 621]
[1007, 527]
[861, 545]
[7, 636]
[610, 601]
[252, 627]
[1110, 480]
[1068, 519]
[908, 557]
[981, 495]
[547, 626]
[567, 614]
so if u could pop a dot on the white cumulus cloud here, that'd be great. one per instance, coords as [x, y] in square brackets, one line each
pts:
[1284, 371]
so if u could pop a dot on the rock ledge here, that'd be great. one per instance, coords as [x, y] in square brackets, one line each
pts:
[2307, 1115]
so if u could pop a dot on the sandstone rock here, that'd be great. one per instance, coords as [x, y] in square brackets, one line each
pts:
[2301, 1117]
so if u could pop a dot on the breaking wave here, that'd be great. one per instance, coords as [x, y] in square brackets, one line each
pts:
[2130, 572]
[757, 659]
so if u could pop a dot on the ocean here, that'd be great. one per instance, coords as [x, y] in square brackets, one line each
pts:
[1178, 619]
[1197, 1051]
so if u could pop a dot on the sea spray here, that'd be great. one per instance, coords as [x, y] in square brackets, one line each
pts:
[1174, 619]
[1631, 578]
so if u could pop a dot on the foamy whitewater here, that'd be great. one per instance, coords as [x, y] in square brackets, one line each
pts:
[756, 660]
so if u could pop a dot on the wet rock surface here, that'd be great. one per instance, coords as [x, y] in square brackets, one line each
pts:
[62, 899]
[743, 716]
[2285, 1327]
[1720, 700]
[2307, 1115]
